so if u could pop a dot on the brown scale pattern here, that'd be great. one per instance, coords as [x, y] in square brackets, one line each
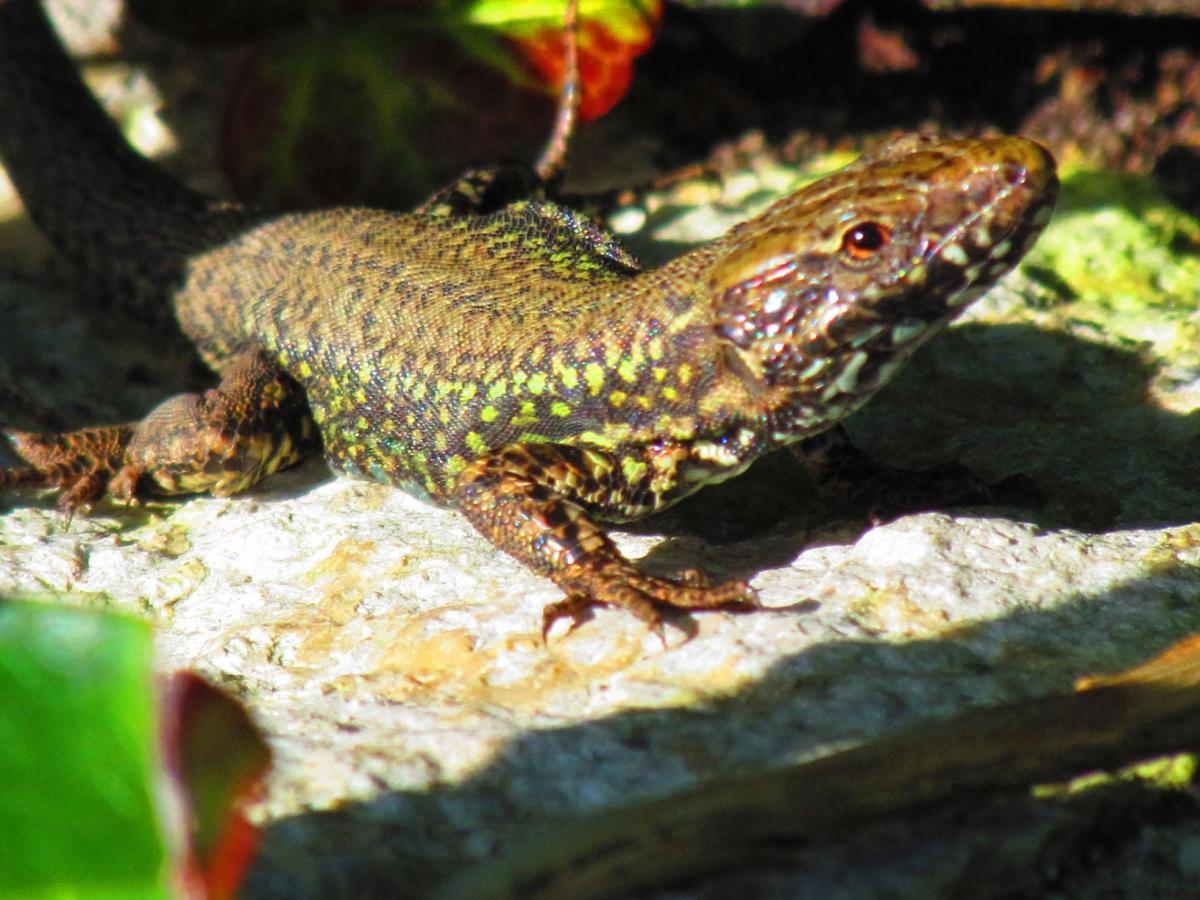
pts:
[515, 365]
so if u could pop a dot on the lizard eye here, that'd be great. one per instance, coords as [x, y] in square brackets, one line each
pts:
[864, 240]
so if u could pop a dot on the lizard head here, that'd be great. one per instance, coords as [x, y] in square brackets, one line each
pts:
[824, 295]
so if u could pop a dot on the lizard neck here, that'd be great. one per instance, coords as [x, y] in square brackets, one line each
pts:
[661, 372]
[675, 361]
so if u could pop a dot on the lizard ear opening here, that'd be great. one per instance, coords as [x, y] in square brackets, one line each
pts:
[736, 363]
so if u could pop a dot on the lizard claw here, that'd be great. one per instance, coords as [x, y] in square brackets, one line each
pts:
[576, 607]
[648, 597]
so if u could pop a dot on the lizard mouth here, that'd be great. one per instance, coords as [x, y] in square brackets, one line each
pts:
[992, 215]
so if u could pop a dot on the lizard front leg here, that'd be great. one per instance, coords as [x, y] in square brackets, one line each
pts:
[533, 501]
[848, 476]
[255, 422]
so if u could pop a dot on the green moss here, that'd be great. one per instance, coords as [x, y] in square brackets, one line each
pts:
[1119, 254]
[1162, 773]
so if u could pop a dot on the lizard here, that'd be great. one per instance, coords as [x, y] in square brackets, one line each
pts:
[514, 365]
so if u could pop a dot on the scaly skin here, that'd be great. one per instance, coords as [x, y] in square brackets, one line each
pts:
[515, 366]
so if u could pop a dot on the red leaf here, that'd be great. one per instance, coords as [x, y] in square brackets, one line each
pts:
[215, 759]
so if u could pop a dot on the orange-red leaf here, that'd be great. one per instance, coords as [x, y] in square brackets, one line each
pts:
[610, 38]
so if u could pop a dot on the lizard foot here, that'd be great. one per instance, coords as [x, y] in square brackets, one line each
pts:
[526, 499]
[645, 596]
[80, 464]
[895, 492]
[851, 478]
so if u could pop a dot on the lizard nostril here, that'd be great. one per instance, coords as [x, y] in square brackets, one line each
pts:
[1014, 175]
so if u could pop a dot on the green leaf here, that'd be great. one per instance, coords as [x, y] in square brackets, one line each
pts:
[77, 736]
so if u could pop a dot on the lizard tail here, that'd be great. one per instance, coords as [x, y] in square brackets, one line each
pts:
[125, 223]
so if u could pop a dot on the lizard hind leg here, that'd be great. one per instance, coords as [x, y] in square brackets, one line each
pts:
[529, 500]
[487, 189]
[255, 422]
[484, 190]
